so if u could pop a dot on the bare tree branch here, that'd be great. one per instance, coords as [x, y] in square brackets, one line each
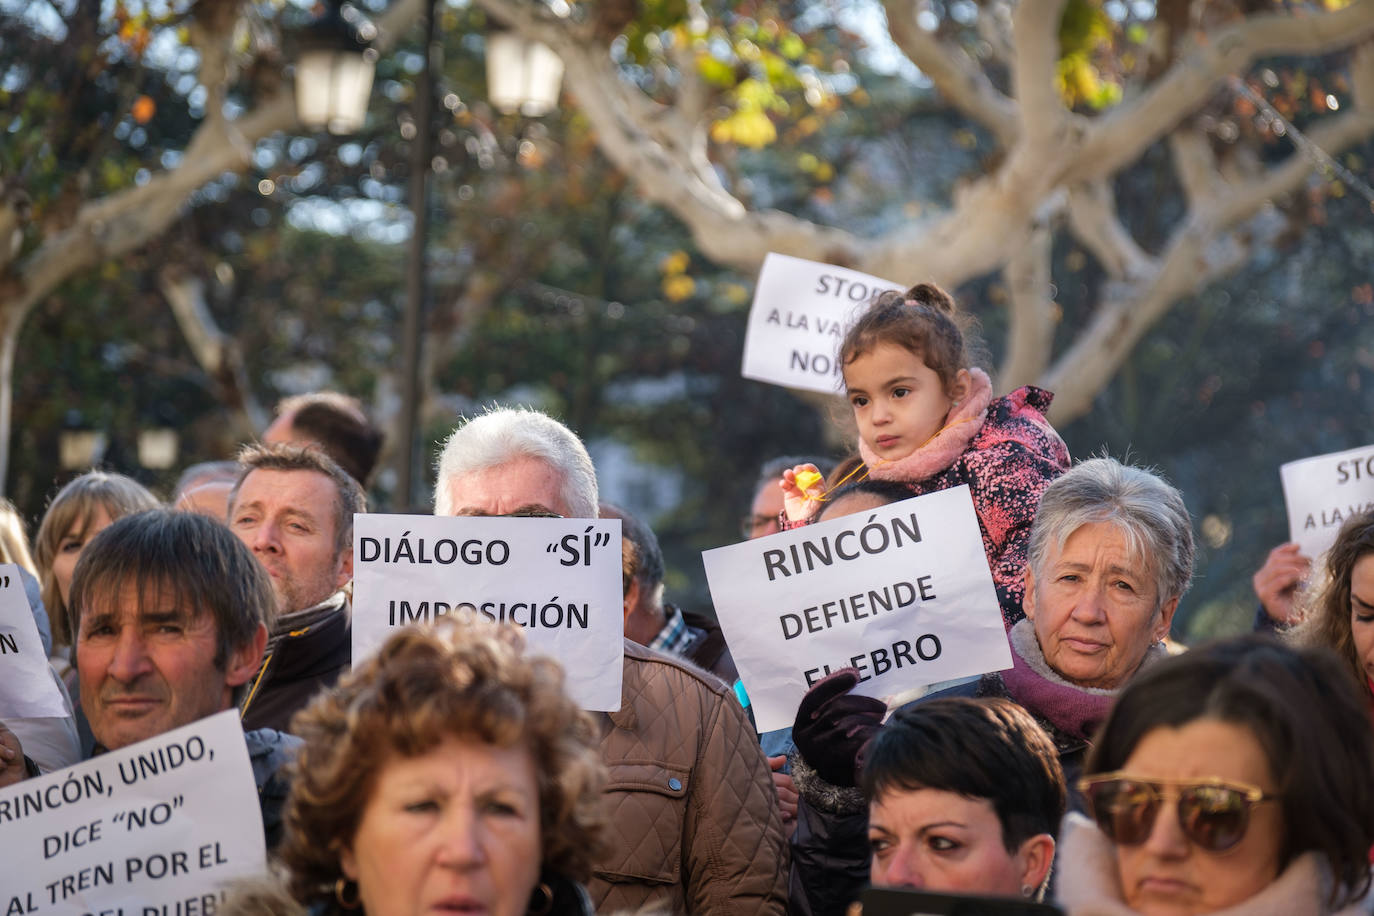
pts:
[956, 76]
[121, 222]
[217, 353]
[1035, 29]
[1195, 165]
[1093, 221]
[1203, 249]
[1030, 334]
[1121, 136]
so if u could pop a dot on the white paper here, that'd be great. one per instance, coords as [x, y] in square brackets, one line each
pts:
[27, 689]
[1322, 492]
[907, 611]
[161, 823]
[800, 313]
[559, 579]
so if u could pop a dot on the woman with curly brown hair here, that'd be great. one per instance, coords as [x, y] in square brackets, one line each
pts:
[1340, 614]
[448, 773]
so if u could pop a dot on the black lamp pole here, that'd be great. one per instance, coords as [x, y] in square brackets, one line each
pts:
[416, 287]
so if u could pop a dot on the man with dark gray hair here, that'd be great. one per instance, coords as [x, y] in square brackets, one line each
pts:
[169, 614]
[694, 821]
[294, 507]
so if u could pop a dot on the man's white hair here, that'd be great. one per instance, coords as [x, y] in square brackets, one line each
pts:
[503, 434]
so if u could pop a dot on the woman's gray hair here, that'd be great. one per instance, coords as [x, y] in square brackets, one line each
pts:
[503, 434]
[1149, 512]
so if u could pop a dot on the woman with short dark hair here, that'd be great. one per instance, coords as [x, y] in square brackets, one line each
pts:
[1232, 779]
[964, 795]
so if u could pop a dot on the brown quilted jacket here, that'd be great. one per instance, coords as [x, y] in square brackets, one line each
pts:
[693, 816]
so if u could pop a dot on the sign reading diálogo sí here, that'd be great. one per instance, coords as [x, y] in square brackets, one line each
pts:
[560, 579]
[901, 592]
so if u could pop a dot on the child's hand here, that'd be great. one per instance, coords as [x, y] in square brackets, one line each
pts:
[802, 488]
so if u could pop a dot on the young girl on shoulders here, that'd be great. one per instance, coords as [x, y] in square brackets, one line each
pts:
[927, 418]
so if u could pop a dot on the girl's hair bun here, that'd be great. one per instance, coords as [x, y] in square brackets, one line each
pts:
[931, 295]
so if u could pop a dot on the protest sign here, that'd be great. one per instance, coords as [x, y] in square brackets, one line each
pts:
[27, 688]
[902, 592]
[800, 312]
[1322, 492]
[153, 829]
[558, 578]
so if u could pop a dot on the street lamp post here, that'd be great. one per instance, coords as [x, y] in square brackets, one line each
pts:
[415, 274]
[335, 69]
[522, 75]
[333, 81]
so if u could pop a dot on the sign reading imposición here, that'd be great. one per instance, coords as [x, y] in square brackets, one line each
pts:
[27, 689]
[902, 592]
[154, 828]
[800, 312]
[560, 579]
[1322, 492]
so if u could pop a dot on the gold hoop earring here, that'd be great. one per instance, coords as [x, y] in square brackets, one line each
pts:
[544, 906]
[341, 889]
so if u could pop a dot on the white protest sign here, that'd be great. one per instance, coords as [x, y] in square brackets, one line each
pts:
[1322, 492]
[558, 578]
[902, 592]
[27, 688]
[152, 829]
[800, 312]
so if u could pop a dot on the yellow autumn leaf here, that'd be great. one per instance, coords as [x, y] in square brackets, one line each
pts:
[678, 287]
[675, 263]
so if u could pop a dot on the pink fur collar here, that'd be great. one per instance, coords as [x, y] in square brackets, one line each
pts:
[964, 421]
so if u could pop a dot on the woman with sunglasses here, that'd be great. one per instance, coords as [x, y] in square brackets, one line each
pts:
[1233, 779]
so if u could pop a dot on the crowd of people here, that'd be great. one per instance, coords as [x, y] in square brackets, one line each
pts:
[1107, 771]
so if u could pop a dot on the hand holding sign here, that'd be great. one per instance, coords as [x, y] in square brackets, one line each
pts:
[1278, 580]
[833, 725]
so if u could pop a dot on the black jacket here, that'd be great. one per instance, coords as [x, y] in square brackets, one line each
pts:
[303, 663]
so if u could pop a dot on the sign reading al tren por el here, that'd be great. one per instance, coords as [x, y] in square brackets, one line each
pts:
[152, 829]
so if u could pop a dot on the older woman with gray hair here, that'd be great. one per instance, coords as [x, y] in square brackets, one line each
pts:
[1111, 553]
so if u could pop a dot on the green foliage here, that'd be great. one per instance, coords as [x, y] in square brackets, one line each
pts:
[1085, 34]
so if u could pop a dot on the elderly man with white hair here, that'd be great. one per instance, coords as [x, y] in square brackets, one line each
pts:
[694, 819]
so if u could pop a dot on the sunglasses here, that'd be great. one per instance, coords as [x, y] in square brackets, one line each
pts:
[1213, 814]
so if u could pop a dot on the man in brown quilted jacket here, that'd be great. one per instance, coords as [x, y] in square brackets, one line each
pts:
[694, 819]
